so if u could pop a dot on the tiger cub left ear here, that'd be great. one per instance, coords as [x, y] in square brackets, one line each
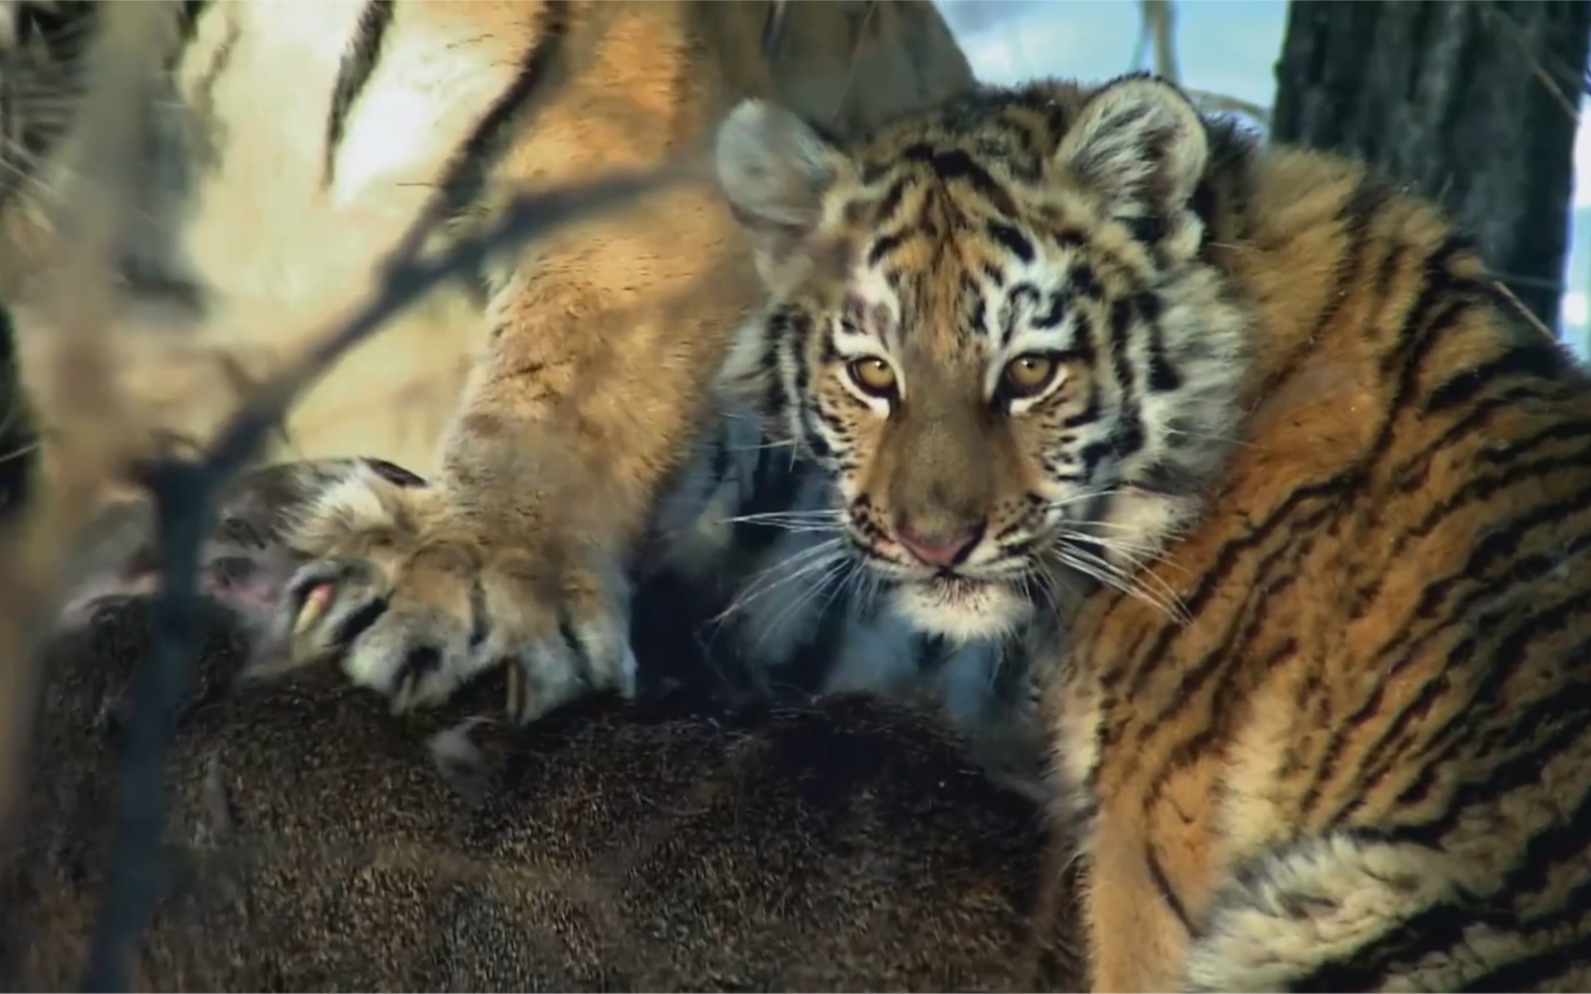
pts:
[1140, 142]
[774, 169]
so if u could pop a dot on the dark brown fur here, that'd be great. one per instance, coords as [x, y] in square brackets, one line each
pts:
[314, 845]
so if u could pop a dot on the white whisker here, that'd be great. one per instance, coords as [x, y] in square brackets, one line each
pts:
[809, 560]
[835, 569]
[794, 517]
[1228, 439]
[1157, 594]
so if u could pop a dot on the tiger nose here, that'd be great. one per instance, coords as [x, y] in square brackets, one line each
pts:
[947, 546]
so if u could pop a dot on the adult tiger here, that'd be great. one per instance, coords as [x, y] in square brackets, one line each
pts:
[1315, 492]
[570, 386]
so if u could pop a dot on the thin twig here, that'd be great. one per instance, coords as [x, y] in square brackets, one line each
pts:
[1528, 314]
[1517, 35]
[183, 499]
[854, 61]
[1220, 103]
[1158, 27]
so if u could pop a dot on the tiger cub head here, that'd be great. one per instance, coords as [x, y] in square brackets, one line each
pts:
[993, 325]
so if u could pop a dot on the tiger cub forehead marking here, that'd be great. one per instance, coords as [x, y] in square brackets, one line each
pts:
[870, 308]
[978, 303]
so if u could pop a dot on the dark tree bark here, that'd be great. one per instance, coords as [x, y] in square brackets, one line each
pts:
[1475, 102]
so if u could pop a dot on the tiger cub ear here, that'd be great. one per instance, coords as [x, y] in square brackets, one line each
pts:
[1140, 142]
[774, 168]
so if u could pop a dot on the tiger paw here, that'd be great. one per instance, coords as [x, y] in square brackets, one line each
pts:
[416, 627]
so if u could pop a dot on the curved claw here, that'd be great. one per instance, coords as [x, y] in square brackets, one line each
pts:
[328, 603]
[316, 601]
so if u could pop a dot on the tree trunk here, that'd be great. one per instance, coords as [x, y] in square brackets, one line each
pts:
[1475, 102]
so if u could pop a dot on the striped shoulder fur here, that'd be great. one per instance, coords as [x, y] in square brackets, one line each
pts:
[1303, 487]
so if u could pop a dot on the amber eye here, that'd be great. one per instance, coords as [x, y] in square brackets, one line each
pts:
[872, 376]
[1028, 375]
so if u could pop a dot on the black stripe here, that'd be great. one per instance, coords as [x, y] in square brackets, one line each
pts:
[1534, 973]
[462, 178]
[1446, 925]
[1518, 769]
[953, 164]
[1410, 477]
[584, 664]
[1412, 474]
[201, 101]
[480, 619]
[357, 623]
[1326, 493]
[1537, 359]
[1128, 435]
[1438, 286]
[891, 202]
[1568, 699]
[1016, 312]
[393, 473]
[1406, 650]
[1367, 966]
[1482, 489]
[1163, 377]
[1157, 875]
[884, 245]
[1083, 282]
[1444, 301]
[1355, 215]
[418, 663]
[1012, 239]
[1478, 489]
[773, 402]
[358, 62]
[1054, 313]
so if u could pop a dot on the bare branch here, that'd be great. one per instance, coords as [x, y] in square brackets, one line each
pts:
[1220, 103]
[1537, 67]
[1158, 32]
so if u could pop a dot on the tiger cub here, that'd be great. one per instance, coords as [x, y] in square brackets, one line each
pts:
[1307, 491]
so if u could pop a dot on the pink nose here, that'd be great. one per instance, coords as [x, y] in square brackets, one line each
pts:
[939, 548]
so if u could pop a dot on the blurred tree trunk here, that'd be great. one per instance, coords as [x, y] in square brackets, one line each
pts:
[1473, 101]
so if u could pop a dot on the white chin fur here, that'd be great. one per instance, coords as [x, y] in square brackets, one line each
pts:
[964, 612]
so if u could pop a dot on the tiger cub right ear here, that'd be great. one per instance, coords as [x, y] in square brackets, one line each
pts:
[1140, 143]
[775, 168]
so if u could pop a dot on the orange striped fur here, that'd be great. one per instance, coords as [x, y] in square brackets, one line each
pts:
[1296, 498]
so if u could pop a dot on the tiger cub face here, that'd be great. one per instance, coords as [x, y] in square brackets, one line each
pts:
[993, 326]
